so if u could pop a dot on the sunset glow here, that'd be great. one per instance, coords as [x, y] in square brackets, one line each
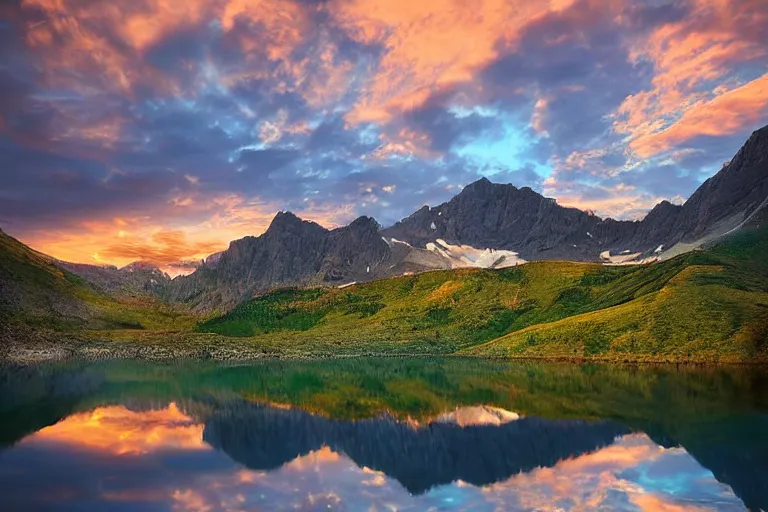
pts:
[161, 130]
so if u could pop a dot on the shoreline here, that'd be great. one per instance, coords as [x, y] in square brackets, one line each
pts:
[237, 352]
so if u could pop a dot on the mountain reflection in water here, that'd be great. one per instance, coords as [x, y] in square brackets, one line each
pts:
[127, 444]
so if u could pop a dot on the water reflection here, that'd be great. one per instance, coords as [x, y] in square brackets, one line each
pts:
[164, 459]
[166, 438]
[418, 457]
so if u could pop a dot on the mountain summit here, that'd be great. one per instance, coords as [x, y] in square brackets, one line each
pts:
[291, 252]
[487, 224]
[501, 216]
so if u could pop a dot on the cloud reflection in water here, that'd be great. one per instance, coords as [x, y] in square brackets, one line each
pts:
[157, 460]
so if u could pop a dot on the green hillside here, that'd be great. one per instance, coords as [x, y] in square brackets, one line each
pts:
[35, 292]
[702, 306]
[706, 312]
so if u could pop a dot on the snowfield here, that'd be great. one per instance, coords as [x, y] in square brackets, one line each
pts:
[462, 256]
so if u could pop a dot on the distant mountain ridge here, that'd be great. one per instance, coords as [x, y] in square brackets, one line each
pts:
[502, 216]
[486, 225]
[291, 252]
[136, 278]
[512, 225]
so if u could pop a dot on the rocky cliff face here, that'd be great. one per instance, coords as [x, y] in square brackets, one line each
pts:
[483, 215]
[292, 252]
[732, 195]
[488, 215]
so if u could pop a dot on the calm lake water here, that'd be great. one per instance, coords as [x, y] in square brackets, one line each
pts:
[382, 435]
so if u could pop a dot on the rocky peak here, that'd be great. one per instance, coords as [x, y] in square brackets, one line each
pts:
[287, 222]
[733, 194]
[662, 210]
[479, 186]
[483, 190]
[364, 223]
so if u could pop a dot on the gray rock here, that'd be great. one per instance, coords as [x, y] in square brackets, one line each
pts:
[292, 252]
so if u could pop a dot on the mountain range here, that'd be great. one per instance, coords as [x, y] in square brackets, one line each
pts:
[486, 225]
[487, 215]
[515, 275]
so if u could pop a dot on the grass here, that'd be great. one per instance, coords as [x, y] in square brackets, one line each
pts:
[700, 306]
[704, 306]
[713, 307]
[34, 291]
[280, 310]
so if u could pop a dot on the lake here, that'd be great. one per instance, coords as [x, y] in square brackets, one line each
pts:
[382, 435]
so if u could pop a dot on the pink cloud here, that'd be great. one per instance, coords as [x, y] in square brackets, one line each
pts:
[692, 61]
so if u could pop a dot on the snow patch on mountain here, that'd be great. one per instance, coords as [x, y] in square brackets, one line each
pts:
[461, 256]
[625, 258]
[396, 241]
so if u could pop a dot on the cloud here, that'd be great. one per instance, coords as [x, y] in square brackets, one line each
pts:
[316, 106]
[426, 46]
[697, 59]
[725, 114]
[156, 459]
[167, 248]
[115, 430]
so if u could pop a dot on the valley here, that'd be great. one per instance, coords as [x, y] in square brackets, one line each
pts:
[496, 272]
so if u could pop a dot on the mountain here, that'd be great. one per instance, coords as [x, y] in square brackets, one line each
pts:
[488, 215]
[501, 216]
[134, 279]
[33, 286]
[291, 252]
[43, 303]
[264, 438]
[545, 309]
[486, 225]
[602, 311]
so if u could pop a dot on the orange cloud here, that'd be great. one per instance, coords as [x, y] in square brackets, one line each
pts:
[118, 431]
[280, 26]
[651, 503]
[103, 132]
[312, 460]
[687, 55]
[165, 248]
[727, 113]
[329, 80]
[191, 500]
[77, 39]
[406, 142]
[123, 240]
[585, 482]
[108, 41]
[429, 45]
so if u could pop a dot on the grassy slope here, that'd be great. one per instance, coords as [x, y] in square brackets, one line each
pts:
[706, 312]
[699, 306]
[36, 292]
[706, 305]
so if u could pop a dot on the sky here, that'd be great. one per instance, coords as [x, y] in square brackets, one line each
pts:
[163, 129]
[158, 460]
